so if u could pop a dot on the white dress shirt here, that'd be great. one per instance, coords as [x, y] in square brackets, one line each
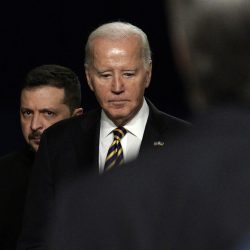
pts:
[131, 142]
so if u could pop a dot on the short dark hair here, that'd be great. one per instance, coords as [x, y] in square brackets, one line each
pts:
[56, 76]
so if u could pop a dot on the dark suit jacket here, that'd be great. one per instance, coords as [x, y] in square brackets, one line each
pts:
[194, 195]
[69, 149]
[15, 169]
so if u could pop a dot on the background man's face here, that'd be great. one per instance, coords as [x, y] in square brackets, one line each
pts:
[40, 108]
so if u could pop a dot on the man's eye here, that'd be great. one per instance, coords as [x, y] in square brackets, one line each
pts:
[129, 74]
[26, 113]
[49, 113]
[105, 75]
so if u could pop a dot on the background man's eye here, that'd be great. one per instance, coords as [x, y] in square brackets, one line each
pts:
[50, 113]
[26, 113]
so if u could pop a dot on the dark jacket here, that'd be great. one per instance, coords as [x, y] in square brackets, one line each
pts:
[69, 149]
[15, 169]
[194, 195]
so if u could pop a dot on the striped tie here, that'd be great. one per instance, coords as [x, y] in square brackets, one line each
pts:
[115, 153]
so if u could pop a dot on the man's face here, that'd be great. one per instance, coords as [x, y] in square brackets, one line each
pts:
[40, 108]
[118, 77]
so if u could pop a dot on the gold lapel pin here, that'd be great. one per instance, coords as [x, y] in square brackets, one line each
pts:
[159, 143]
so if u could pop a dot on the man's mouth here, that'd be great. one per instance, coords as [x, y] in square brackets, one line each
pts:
[118, 102]
[36, 139]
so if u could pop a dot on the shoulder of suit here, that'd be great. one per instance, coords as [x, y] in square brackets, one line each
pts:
[14, 159]
[173, 119]
[73, 123]
[164, 118]
[9, 157]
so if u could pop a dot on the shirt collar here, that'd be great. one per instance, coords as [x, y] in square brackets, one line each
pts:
[135, 126]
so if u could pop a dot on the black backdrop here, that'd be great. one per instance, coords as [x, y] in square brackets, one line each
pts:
[55, 31]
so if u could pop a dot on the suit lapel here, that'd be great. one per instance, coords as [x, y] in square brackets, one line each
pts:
[153, 138]
[87, 142]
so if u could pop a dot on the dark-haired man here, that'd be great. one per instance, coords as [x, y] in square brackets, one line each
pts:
[50, 93]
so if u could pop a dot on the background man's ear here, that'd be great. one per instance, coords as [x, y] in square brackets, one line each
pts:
[77, 112]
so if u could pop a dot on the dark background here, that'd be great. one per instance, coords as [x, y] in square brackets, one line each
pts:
[54, 32]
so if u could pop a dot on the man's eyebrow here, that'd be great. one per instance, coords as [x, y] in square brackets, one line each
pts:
[48, 109]
[25, 108]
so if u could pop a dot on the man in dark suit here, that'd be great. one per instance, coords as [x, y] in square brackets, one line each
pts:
[195, 193]
[118, 69]
[50, 93]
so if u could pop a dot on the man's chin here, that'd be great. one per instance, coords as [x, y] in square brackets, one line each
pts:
[118, 117]
[34, 147]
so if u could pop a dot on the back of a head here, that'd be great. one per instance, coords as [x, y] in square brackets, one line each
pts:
[116, 31]
[211, 40]
[56, 76]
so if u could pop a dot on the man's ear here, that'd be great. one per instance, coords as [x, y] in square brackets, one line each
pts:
[88, 77]
[149, 74]
[77, 112]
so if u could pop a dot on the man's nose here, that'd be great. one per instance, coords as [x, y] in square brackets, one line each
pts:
[36, 123]
[117, 85]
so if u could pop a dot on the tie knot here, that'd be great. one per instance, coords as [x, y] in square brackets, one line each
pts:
[119, 133]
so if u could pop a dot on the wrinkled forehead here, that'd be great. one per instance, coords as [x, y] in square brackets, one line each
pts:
[127, 49]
